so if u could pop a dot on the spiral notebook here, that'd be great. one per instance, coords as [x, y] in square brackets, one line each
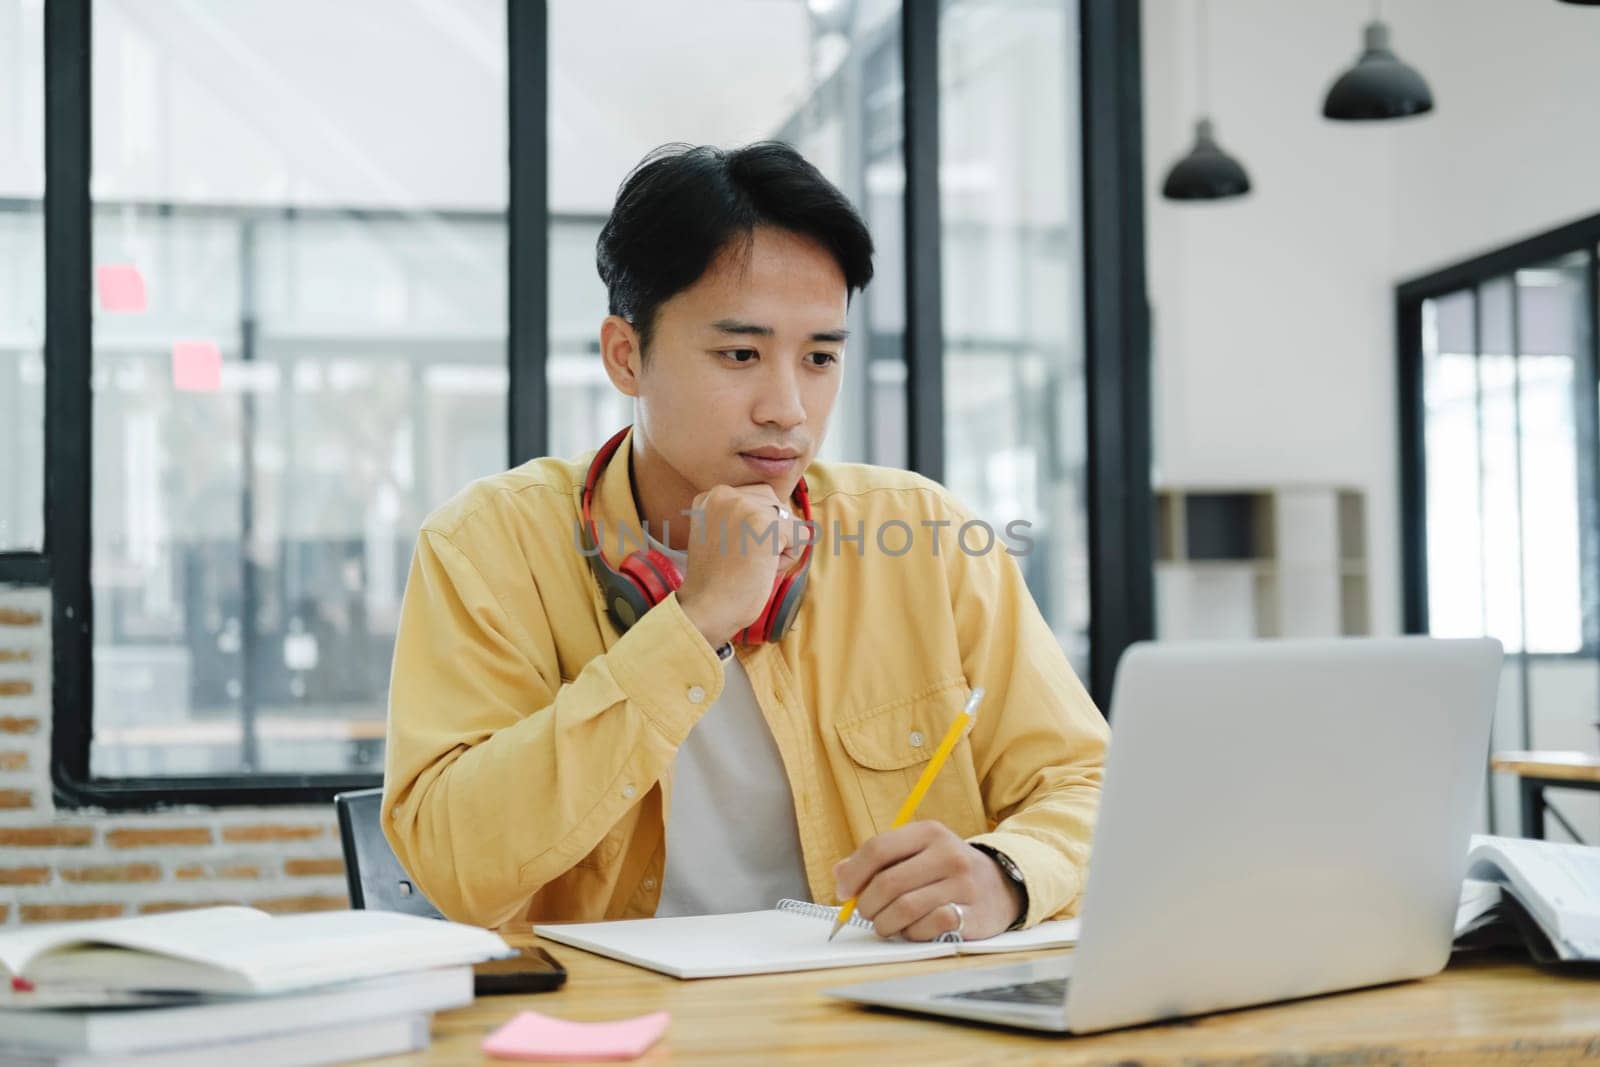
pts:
[791, 937]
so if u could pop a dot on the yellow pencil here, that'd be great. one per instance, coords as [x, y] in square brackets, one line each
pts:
[909, 808]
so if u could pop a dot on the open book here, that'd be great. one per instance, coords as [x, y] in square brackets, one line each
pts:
[239, 950]
[1548, 885]
[791, 937]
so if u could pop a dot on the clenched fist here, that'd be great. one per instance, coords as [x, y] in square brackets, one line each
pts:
[740, 538]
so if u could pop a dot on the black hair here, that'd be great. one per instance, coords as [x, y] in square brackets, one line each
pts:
[682, 205]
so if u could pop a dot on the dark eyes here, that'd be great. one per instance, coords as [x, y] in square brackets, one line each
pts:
[747, 355]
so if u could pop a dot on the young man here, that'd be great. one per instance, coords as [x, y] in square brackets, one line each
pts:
[571, 742]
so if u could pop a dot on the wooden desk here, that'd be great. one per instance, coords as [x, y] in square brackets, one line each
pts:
[1538, 771]
[1482, 1009]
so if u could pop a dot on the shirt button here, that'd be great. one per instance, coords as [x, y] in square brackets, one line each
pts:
[628, 790]
[695, 694]
[916, 738]
[650, 884]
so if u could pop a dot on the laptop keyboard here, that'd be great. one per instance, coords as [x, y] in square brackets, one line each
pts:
[1047, 992]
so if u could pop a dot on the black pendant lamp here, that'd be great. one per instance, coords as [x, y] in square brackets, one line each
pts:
[1379, 86]
[1207, 172]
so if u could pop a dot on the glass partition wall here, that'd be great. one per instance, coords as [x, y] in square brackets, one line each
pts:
[302, 334]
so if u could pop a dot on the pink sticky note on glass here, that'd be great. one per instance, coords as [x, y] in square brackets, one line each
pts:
[121, 288]
[531, 1036]
[196, 367]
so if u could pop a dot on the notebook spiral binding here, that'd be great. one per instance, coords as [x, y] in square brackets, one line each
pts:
[821, 911]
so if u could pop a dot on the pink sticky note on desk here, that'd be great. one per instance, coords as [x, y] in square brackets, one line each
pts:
[531, 1036]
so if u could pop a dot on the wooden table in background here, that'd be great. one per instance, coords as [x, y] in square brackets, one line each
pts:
[1538, 771]
[1483, 1009]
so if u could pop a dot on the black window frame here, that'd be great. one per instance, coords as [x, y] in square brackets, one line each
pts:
[1470, 275]
[1121, 595]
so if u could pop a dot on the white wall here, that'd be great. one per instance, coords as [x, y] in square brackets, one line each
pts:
[1273, 322]
[1513, 147]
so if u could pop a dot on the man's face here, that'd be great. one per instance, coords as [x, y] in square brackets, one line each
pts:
[744, 366]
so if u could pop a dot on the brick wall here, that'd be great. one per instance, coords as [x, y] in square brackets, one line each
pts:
[81, 863]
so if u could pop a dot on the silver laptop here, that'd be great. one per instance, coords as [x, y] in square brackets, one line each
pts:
[1280, 819]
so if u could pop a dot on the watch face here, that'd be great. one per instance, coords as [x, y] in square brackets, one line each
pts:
[1013, 875]
[1003, 861]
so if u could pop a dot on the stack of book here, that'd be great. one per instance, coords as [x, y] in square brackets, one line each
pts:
[1541, 895]
[232, 984]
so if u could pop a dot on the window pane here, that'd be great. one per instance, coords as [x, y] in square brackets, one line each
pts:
[1502, 535]
[1550, 323]
[1529, 386]
[822, 77]
[21, 275]
[1454, 508]
[1015, 427]
[299, 351]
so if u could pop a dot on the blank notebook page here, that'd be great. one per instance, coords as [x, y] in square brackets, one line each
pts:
[766, 942]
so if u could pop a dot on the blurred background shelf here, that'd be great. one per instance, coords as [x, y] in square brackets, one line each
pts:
[1274, 561]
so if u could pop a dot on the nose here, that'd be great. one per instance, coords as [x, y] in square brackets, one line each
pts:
[780, 404]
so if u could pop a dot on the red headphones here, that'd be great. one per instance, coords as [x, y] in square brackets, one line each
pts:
[644, 579]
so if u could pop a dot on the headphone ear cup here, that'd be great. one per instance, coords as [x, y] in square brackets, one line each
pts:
[653, 573]
[773, 622]
[759, 629]
[625, 601]
[642, 581]
[786, 602]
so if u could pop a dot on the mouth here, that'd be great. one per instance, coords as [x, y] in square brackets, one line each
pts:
[772, 462]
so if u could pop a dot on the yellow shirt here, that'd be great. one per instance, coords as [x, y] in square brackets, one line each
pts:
[530, 748]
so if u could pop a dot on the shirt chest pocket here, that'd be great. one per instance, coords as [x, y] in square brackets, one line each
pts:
[889, 746]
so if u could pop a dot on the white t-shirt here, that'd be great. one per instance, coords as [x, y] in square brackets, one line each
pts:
[732, 842]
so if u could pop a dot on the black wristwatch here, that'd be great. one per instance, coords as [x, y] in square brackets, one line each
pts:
[1013, 875]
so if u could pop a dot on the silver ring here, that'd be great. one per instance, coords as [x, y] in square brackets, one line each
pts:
[784, 514]
[954, 936]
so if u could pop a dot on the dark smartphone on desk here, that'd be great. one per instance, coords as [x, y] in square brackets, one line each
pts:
[531, 970]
